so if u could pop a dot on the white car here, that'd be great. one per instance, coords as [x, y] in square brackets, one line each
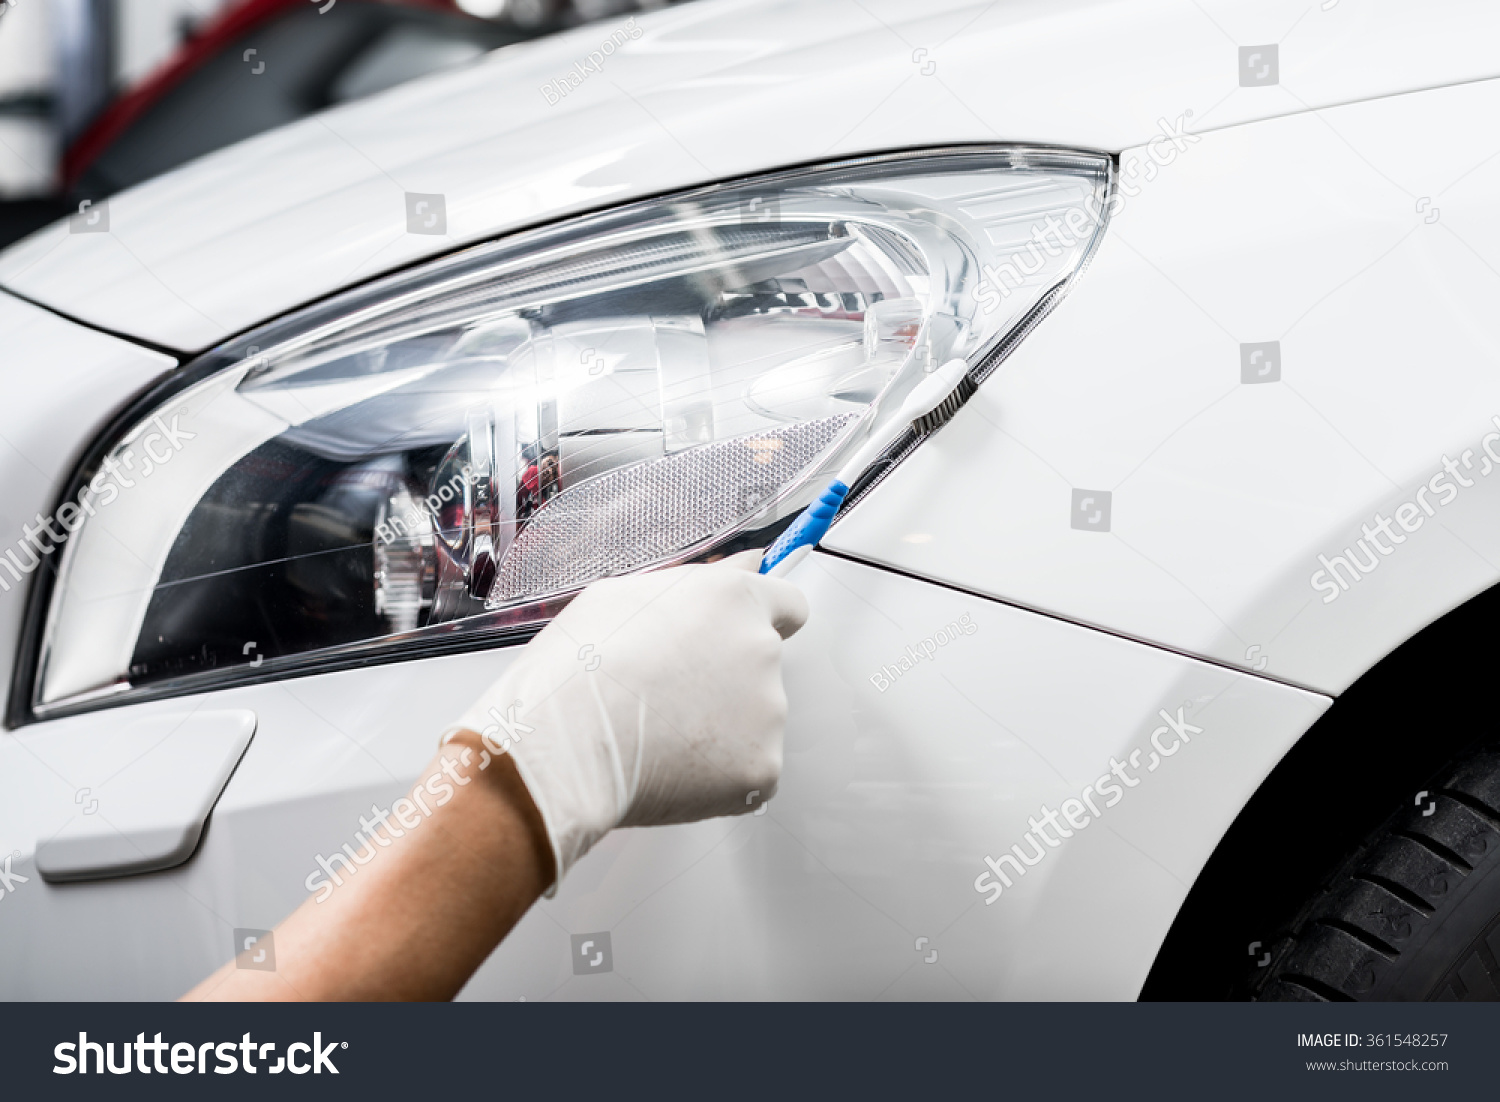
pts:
[1103, 693]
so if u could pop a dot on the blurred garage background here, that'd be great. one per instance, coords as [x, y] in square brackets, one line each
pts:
[98, 95]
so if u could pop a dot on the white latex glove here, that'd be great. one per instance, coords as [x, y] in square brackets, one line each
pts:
[651, 699]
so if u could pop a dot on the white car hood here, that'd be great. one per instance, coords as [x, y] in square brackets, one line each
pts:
[707, 91]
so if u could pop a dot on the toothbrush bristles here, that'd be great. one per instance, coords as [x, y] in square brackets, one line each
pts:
[947, 407]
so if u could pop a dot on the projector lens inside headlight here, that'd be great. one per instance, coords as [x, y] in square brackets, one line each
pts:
[444, 455]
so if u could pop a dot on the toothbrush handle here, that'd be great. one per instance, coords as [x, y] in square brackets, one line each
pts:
[810, 526]
[788, 564]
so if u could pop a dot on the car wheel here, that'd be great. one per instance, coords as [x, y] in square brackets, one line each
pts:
[1414, 914]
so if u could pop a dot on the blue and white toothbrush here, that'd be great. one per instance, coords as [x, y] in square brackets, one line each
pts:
[930, 404]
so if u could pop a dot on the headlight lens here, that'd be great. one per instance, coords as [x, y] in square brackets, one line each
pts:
[444, 456]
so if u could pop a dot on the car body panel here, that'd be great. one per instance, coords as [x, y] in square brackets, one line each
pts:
[889, 802]
[1305, 229]
[1224, 494]
[708, 91]
[62, 382]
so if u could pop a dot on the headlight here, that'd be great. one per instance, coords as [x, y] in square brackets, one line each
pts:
[440, 458]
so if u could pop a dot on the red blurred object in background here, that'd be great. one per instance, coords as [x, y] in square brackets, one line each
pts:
[219, 32]
[202, 86]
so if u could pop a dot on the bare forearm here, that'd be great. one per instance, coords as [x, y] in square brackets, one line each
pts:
[424, 914]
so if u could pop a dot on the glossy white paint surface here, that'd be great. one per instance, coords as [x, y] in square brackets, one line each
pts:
[1308, 230]
[60, 383]
[888, 804]
[144, 792]
[710, 90]
[1366, 240]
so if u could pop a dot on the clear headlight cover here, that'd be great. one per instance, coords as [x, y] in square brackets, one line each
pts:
[442, 457]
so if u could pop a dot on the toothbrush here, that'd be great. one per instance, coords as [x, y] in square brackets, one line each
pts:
[930, 404]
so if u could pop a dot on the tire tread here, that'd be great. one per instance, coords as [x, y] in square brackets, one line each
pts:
[1388, 891]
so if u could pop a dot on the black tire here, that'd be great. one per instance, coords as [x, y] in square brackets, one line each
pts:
[1413, 915]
